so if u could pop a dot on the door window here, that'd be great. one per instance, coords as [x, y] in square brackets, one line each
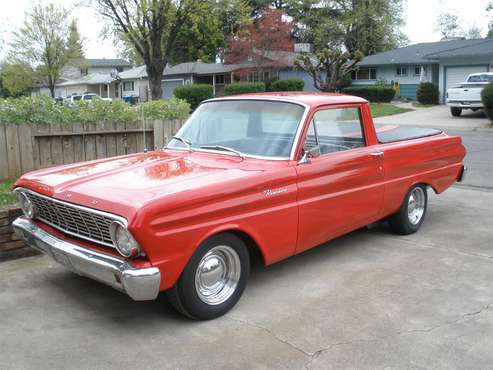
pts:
[335, 130]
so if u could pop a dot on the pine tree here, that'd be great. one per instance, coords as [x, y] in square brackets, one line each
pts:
[75, 47]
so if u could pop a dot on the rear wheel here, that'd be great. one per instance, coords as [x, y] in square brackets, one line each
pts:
[456, 112]
[213, 279]
[411, 215]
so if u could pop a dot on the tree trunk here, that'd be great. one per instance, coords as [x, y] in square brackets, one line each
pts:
[155, 74]
[51, 86]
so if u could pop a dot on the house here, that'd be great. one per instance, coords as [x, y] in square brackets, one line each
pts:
[276, 65]
[88, 75]
[445, 63]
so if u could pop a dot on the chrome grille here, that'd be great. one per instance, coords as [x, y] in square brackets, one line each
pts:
[74, 220]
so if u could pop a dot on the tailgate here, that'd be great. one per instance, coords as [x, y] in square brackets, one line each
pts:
[470, 93]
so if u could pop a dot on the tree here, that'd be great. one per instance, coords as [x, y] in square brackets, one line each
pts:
[41, 42]
[329, 67]
[200, 37]
[448, 25]
[271, 31]
[17, 79]
[368, 26]
[473, 33]
[489, 9]
[75, 46]
[151, 27]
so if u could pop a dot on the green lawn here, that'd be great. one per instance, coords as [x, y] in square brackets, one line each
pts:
[386, 109]
[6, 196]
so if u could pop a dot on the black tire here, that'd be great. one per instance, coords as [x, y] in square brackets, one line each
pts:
[456, 112]
[185, 296]
[402, 222]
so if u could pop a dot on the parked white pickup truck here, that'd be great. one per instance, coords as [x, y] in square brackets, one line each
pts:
[467, 95]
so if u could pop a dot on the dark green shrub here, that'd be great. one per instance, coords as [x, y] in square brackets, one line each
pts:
[345, 81]
[487, 98]
[244, 88]
[427, 93]
[374, 94]
[194, 94]
[292, 84]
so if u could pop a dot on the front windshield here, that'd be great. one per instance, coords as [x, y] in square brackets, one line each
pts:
[251, 127]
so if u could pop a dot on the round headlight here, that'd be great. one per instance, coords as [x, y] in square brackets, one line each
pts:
[124, 242]
[28, 208]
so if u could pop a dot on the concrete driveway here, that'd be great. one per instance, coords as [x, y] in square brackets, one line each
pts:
[438, 116]
[368, 300]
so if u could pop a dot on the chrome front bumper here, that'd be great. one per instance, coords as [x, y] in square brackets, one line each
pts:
[138, 284]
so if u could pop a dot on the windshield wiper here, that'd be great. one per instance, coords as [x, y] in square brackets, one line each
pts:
[184, 141]
[225, 148]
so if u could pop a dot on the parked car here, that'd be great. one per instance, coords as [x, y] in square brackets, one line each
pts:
[87, 96]
[468, 94]
[268, 174]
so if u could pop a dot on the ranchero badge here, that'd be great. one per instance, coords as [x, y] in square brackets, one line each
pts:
[271, 192]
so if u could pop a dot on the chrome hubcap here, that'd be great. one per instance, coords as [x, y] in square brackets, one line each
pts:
[217, 275]
[416, 206]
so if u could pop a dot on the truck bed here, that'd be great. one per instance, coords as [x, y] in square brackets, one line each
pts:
[392, 133]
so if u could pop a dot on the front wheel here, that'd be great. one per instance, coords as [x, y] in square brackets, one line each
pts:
[411, 215]
[456, 112]
[213, 279]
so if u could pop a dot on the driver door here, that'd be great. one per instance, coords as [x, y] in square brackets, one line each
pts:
[342, 189]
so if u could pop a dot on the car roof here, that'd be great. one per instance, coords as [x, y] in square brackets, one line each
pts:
[311, 99]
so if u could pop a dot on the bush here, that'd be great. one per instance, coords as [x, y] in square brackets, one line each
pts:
[292, 84]
[244, 88]
[194, 94]
[374, 94]
[427, 93]
[487, 98]
[44, 109]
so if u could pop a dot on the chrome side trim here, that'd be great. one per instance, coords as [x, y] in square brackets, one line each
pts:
[294, 146]
[76, 206]
[138, 284]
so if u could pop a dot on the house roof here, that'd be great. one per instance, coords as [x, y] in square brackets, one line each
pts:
[117, 62]
[134, 73]
[428, 52]
[481, 48]
[91, 79]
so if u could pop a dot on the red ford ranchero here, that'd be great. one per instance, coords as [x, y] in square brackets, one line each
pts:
[270, 174]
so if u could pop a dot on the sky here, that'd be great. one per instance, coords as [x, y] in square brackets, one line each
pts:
[420, 17]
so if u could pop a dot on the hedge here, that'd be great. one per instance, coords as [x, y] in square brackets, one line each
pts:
[43, 109]
[244, 88]
[374, 94]
[487, 98]
[427, 93]
[292, 84]
[194, 94]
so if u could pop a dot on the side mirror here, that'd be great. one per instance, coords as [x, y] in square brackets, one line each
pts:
[313, 152]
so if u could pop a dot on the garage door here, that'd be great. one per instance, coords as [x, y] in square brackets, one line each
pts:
[456, 75]
[169, 86]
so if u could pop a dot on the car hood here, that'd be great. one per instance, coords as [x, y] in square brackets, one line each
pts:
[123, 185]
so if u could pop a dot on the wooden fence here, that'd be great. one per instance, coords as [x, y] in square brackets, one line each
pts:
[26, 147]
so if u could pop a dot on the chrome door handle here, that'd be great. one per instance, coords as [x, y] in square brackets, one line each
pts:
[377, 154]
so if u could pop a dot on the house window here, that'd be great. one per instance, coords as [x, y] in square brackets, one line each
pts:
[128, 86]
[220, 79]
[417, 70]
[253, 76]
[364, 74]
[401, 71]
